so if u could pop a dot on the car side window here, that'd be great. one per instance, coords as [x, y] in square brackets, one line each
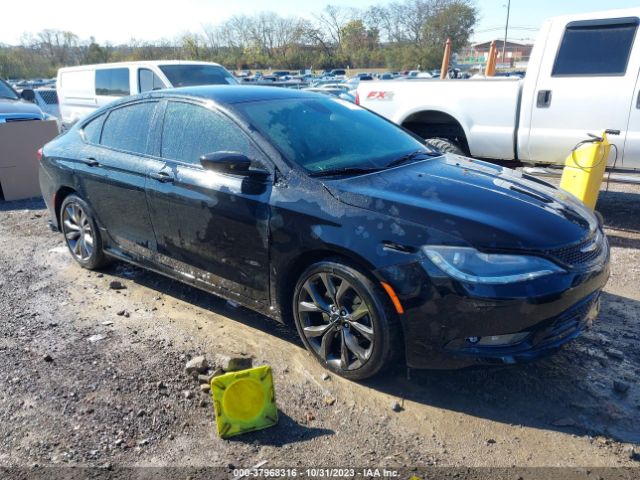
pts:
[92, 130]
[127, 128]
[190, 131]
[113, 82]
[600, 47]
[147, 80]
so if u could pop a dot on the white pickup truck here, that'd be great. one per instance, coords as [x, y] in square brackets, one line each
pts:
[582, 78]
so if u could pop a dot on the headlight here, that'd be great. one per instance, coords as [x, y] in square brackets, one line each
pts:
[469, 265]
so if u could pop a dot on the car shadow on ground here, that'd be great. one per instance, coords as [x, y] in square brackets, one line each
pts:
[571, 391]
[202, 299]
[36, 203]
[620, 210]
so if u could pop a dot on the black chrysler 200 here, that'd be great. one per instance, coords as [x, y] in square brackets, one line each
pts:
[311, 209]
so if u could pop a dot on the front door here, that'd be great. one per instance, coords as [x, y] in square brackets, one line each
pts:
[585, 86]
[210, 226]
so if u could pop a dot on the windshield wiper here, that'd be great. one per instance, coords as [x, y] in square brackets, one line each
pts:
[410, 156]
[7, 96]
[344, 171]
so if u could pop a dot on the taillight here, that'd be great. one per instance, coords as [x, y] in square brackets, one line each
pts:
[357, 98]
[39, 154]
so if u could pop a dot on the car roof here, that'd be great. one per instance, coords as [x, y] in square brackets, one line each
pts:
[230, 94]
[220, 94]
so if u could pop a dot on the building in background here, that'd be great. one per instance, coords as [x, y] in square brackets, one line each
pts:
[516, 54]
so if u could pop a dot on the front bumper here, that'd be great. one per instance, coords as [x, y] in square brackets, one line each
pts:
[442, 316]
[544, 339]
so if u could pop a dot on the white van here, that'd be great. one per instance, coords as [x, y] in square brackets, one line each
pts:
[85, 88]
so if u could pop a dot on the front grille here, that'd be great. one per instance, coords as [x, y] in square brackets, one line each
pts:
[581, 254]
[20, 119]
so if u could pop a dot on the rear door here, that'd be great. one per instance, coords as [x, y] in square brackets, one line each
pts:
[584, 86]
[210, 226]
[114, 171]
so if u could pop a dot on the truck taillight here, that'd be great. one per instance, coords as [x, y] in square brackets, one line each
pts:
[39, 154]
[357, 98]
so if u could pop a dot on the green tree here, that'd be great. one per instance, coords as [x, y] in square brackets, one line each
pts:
[454, 21]
[95, 53]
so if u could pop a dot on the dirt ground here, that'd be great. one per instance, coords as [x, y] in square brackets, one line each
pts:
[93, 376]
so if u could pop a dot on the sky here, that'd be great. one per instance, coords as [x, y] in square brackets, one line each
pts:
[117, 21]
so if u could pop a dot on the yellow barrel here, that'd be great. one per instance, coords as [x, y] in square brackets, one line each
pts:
[584, 170]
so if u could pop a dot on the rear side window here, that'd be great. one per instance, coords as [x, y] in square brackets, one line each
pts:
[147, 80]
[190, 131]
[113, 82]
[127, 128]
[599, 47]
[93, 129]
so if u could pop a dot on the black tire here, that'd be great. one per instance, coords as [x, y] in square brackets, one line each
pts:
[81, 233]
[348, 324]
[445, 145]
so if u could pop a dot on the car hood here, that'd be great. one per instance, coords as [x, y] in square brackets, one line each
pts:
[17, 108]
[474, 202]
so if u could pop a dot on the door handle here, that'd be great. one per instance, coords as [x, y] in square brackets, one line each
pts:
[163, 177]
[638, 101]
[544, 99]
[91, 162]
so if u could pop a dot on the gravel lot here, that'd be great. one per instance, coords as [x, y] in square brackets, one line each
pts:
[94, 376]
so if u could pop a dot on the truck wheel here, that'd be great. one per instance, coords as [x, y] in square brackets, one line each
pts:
[445, 145]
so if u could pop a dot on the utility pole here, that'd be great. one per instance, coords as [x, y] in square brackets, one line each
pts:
[506, 31]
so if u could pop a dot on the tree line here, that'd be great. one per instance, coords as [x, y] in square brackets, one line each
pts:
[404, 34]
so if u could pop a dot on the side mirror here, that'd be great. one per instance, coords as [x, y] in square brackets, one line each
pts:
[235, 163]
[28, 95]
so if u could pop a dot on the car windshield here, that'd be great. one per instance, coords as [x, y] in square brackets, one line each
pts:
[194, 75]
[6, 91]
[324, 134]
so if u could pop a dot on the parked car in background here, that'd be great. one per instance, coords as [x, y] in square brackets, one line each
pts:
[318, 211]
[582, 78]
[339, 73]
[83, 89]
[334, 90]
[47, 100]
[16, 107]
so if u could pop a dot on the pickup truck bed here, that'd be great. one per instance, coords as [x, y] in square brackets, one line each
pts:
[440, 108]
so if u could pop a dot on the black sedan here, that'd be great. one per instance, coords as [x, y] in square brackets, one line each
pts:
[313, 210]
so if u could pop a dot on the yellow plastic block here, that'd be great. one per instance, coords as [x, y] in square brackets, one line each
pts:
[244, 401]
[584, 170]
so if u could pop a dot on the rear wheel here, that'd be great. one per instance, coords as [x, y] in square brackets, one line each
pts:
[81, 233]
[344, 320]
[445, 145]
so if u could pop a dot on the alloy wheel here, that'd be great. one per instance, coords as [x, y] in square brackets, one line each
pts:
[78, 231]
[336, 321]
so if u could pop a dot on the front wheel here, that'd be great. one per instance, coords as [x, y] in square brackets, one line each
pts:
[344, 320]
